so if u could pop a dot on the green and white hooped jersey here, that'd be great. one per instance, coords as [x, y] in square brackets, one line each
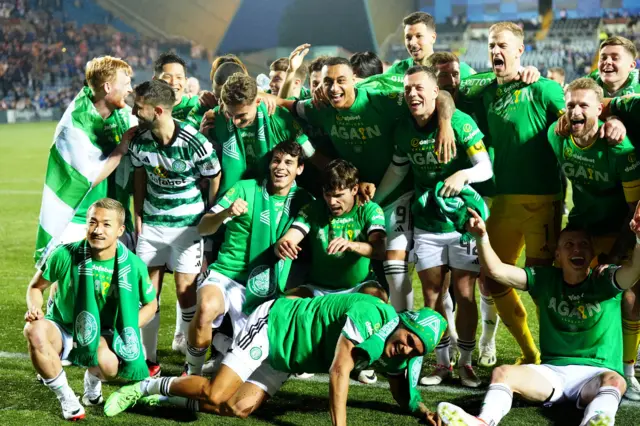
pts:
[173, 197]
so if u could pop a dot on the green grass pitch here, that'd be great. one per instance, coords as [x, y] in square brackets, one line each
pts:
[25, 402]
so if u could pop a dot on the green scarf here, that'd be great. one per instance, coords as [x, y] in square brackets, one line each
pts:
[86, 324]
[269, 278]
[433, 207]
[234, 162]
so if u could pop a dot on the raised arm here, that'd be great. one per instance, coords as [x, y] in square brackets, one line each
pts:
[508, 275]
[295, 61]
[341, 367]
[211, 222]
[627, 276]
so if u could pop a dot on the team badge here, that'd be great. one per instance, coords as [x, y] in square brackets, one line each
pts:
[126, 344]
[568, 152]
[86, 328]
[260, 283]
[255, 353]
[179, 166]
[466, 127]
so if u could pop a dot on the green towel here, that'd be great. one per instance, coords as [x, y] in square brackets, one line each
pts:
[87, 322]
[434, 208]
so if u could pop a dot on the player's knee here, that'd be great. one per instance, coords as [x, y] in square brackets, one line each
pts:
[614, 379]
[216, 396]
[208, 309]
[34, 333]
[501, 374]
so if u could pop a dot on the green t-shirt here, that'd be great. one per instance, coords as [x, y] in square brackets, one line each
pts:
[182, 110]
[580, 324]
[416, 146]
[402, 66]
[604, 179]
[628, 110]
[340, 270]
[303, 333]
[382, 82]
[58, 268]
[517, 117]
[362, 133]
[630, 87]
[233, 257]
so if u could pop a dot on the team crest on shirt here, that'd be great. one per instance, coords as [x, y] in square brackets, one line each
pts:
[467, 127]
[179, 166]
[568, 152]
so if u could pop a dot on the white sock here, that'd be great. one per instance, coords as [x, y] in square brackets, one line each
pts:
[186, 315]
[179, 401]
[400, 289]
[442, 352]
[195, 359]
[178, 329]
[149, 334]
[466, 350]
[92, 384]
[490, 320]
[629, 370]
[157, 386]
[447, 303]
[606, 402]
[59, 385]
[221, 342]
[497, 403]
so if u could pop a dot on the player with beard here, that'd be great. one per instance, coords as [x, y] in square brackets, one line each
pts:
[172, 68]
[606, 182]
[360, 124]
[171, 158]
[419, 38]
[580, 331]
[617, 73]
[437, 244]
[101, 286]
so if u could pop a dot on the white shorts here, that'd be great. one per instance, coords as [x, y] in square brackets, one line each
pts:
[249, 353]
[433, 250]
[234, 297]
[567, 381]
[67, 340]
[78, 231]
[398, 223]
[180, 249]
[321, 291]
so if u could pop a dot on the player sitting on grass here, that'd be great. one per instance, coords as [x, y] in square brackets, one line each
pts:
[606, 188]
[336, 333]
[438, 246]
[95, 317]
[580, 330]
[256, 213]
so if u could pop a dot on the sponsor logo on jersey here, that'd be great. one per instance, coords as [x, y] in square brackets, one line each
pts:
[347, 117]
[167, 182]
[360, 133]
[160, 171]
[472, 135]
[179, 166]
[102, 269]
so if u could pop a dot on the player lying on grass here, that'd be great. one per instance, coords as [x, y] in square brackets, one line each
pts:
[580, 330]
[335, 334]
[95, 317]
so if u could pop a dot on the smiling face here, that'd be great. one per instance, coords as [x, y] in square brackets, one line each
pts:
[505, 50]
[340, 201]
[339, 85]
[242, 115]
[174, 74]
[583, 109]
[449, 77]
[118, 89]
[283, 170]
[615, 64]
[103, 228]
[420, 93]
[276, 80]
[315, 80]
[419, 40]
[403, 344]
[575, 251]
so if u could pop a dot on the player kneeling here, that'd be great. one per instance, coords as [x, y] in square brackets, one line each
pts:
[337, 333]
[580, 331]
[95, 317]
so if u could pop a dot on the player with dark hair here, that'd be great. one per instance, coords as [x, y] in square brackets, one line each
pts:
[173, 69]
[365, 64]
